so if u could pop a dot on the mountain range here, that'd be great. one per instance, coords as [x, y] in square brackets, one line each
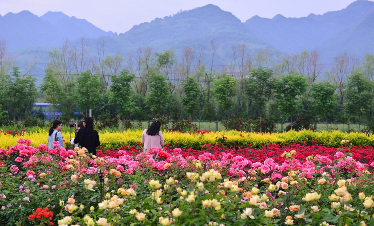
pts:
[350, 29]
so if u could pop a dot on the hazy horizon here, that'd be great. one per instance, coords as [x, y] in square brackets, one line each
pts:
[121, 16]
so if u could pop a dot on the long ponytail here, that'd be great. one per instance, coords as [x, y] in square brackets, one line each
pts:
[54, 125]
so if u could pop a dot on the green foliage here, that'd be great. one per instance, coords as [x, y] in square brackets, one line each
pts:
[359, 94]
[158, 97]
[20, 93]
[3, 116]
[287, 91]
[122, 93]
[192, 92]
[259, 86]
[225, 91]
[324, 99]
[52, 89]
[67, 102]
[87, 91]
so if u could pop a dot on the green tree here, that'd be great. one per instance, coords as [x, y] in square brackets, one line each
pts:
[52, 90]
[225, 90]
[287, 90]
[158, 94]
[87, 91]
[21, 93]
[258, 87]
[191, 95]
[122, 92]
[323, 99]
[3, 115]
[359, 95]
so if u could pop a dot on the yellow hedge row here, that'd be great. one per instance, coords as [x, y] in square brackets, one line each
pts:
[113, 140]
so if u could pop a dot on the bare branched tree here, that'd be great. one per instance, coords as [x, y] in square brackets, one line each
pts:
[188, 57]
[343, 66]
[233, 59]
[6, 63]
[32, 65]
[214, 47]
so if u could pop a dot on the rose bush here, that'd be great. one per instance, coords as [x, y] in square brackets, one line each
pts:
[128, 187]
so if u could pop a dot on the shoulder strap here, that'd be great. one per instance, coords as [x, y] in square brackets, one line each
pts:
[56, 138]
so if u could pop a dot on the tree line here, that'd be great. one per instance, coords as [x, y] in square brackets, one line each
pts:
[148, 84]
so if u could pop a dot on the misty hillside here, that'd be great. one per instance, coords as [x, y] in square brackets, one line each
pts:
[292, 35]
[197, 26]
[25, 30]
[350, 29]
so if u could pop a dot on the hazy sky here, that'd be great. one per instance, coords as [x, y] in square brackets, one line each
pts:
[120, 15]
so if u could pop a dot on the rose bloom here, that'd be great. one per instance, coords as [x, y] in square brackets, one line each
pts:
[276, 212]
[269, 214]
[140, 216]
[74, 178]
[294, 208]
[341, 183]
[263, 205]
[284, 185]
[315, 208]
[321, 181]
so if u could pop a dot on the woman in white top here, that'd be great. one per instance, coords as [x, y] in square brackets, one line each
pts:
[152, 137]
[55, 135]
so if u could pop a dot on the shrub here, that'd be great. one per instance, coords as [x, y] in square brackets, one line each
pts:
[238, 124]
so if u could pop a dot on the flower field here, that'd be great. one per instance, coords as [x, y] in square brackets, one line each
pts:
[114, 140]
[216, 184]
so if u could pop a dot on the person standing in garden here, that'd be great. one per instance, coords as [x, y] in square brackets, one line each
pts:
[87, 137]
[55, 135]
[152, 137]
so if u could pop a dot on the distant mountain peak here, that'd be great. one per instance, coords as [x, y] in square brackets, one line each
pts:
[54, 17]
[279, 16]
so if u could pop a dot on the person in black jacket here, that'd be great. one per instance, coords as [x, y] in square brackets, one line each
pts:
[88, 137]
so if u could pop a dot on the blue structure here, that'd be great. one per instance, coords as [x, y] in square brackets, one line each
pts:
[47, 110]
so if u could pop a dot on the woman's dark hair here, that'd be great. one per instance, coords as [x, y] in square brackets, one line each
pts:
[154, 128]
[89, 124]
[80, 124]
[54, 125]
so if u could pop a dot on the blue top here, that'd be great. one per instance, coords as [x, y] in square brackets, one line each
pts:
[51, 139]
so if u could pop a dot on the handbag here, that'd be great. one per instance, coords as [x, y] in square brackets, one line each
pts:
[56, 138]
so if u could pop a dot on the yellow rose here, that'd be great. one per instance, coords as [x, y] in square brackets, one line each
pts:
[322, 181]
[272, 187]
[165, 221]
[341, 183]
[140, 216]
[334, 197]
[341, 191]
[176, 212]
[361, 196]
[170, 181]
[368, 203]
[335, 205]
[155, 184]
[289, 222]
[311, 197]
[200, 186]
[269, 214]
[255, 190]
[133, 211]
